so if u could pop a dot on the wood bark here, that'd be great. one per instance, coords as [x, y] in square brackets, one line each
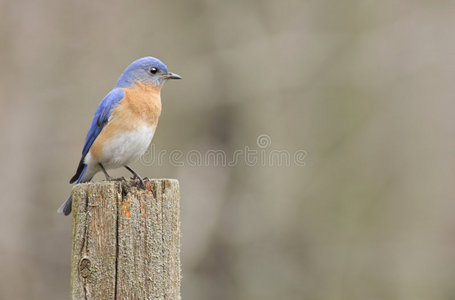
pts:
[126, 240]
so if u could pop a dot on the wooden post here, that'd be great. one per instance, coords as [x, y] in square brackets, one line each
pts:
[126, 240]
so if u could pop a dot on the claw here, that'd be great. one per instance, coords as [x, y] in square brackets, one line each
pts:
[142, 182]
[136, 176]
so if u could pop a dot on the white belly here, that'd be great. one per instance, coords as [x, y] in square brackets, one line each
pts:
[125, 148]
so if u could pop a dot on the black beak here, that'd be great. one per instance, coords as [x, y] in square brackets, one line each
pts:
[171, 75]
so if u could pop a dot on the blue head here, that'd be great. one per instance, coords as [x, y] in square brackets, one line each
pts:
[145, 70]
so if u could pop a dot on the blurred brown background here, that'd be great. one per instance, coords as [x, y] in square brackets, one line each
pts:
[366, 88]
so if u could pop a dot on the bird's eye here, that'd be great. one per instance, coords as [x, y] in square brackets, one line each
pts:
[153, 70]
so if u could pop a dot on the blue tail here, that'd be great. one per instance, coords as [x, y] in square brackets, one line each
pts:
[68, 205]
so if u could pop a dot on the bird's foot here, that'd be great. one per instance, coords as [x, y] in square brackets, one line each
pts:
[136, 176]
[115, 179]
[142, 183]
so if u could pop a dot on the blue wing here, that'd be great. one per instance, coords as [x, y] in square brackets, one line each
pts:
[100, 119]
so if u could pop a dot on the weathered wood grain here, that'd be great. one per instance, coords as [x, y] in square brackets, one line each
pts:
[126, 240]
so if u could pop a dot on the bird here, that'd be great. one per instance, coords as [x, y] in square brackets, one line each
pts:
[124, 123]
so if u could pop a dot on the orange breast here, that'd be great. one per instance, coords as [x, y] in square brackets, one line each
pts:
[142, 102]
[140, 106]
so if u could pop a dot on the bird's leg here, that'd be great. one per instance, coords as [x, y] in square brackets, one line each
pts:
[136, 175]
[108, 177]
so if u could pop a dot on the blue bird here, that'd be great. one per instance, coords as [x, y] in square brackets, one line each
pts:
[124, 123]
